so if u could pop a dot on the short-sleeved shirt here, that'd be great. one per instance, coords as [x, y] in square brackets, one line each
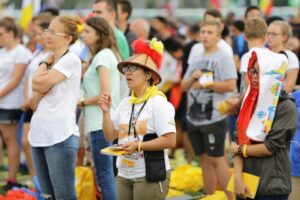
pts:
[8, 60]
[157, 117]
[55, 117]
[91, 87]
[202, 104]
[33, 65]
[293, 62]
[122, 43]
[198, 49]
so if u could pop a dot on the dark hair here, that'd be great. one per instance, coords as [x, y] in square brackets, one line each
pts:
[43, 19]
[213, 12]
[239, 24]
[105, 33]
[126, 7]
[110, 4]
[9, 24]
[53, 11]
[250, 8]
[162, 20]
[70, 26]
[171, 44]
[194, 28]
[269, 20]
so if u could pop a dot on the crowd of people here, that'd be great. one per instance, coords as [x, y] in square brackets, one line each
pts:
[150, 87]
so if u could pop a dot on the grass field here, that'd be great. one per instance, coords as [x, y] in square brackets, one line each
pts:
[22, 178]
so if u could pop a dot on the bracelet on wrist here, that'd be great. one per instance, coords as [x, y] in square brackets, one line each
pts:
[240, 150]
[139, 146]
[245, 151]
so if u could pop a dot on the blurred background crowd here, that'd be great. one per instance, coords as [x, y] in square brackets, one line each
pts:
[177, 24]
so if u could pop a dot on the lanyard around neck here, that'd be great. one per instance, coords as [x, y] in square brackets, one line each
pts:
[132, 122]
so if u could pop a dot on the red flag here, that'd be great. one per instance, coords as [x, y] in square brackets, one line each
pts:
[216, 4]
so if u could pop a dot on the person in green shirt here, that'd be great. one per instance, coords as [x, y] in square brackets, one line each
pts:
[101, 77]
[107, 10]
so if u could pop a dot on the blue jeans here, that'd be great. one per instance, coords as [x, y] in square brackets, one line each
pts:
[55, 169]
[104, 166]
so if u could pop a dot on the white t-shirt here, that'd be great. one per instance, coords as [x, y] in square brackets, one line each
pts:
[77, 47]
[293, 62]
[33, 65]
[8, 60]
[156, 117]
[168, 70]
[55, 118]
[198, 48]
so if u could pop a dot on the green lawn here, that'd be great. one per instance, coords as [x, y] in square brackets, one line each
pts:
[22, 178]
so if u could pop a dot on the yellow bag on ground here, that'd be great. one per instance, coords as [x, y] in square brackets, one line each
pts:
[186, 178]
[84, 183]
[217, 195]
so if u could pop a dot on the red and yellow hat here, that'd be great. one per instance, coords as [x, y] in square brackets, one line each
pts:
[148, 55]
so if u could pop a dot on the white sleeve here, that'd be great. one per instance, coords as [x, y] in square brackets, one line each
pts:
[244, 63]
[196, 50]
[164, 116]
[229, 50]
[293, 61]
[67, 64]
[222, 44]
[23, 56]
[115, 115]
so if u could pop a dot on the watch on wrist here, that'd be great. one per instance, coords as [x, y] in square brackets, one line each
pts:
[46, 63]
[240, 150]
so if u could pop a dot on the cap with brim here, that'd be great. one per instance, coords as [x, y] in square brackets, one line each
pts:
[143, 61]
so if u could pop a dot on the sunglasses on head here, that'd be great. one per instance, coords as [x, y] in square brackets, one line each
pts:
[129, 68]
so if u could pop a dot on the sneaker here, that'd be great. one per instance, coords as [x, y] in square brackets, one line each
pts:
[9, 185]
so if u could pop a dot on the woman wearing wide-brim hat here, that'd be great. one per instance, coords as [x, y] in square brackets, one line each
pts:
[143, 124]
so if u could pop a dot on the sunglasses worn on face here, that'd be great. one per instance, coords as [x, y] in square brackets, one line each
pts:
[129, 68]
[253, 71]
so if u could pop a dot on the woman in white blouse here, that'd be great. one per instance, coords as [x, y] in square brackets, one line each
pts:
[14, 58]
[277, 37]
[41, 22]
[53, 131]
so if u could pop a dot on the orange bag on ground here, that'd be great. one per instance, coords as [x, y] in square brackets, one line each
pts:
[84, 183]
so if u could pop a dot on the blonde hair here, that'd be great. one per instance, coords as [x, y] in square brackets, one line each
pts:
[70, 26]
[256, 28]
[212, 23]
[285, 28]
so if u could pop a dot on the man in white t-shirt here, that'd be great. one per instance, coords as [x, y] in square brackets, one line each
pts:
[206, 126]
[255, 32]
[222, 44]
